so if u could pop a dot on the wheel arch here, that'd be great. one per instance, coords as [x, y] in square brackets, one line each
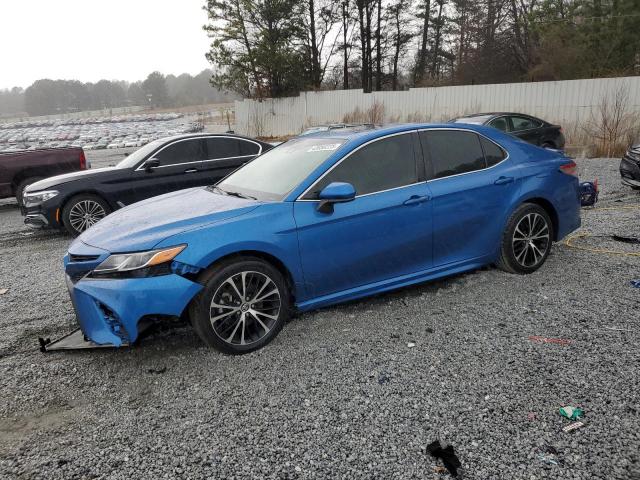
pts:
[267, 257]
[88, 191]
[551, 211]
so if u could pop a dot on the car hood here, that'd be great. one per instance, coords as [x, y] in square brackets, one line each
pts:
[51, 182]
[143, 225]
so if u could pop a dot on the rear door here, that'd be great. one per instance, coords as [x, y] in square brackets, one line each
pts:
[180, 166]
[472, 184]
[527, 128]
[385, 232]
[224, 155]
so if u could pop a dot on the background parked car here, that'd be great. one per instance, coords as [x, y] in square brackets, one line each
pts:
[77, 201]
[526, 127]
[19, 169]
[630, 167]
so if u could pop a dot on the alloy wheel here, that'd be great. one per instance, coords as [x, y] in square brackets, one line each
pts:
[531, 239]
[85, 214]
[245, 307]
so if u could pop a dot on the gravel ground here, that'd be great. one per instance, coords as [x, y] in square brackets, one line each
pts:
[340, 394]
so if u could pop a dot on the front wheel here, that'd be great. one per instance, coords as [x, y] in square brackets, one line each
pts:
[243, 306]
[83, 211]
[526, 240]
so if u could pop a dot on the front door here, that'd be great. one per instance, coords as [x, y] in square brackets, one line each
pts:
[180, 167]
[385, 232]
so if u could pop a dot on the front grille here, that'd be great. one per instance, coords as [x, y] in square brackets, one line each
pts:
[82, 258]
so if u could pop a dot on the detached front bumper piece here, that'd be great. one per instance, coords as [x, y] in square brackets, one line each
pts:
[72, 341]
[108, 310]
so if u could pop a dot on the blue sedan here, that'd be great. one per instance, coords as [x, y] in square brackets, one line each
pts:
[318, 220]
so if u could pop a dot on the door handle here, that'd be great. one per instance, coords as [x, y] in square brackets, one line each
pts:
[416, 199]
[191, 170]
[503, 180]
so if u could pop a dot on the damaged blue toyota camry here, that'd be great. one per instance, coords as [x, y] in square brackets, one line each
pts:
[321, 219]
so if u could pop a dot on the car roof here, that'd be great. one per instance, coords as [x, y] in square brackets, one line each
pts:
[206, 134]
[495, 114]
[362, 135]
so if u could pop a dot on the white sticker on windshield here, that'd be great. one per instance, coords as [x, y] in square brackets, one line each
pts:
[324, 148]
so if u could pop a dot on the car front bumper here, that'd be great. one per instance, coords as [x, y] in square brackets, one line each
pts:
[630, 171]
[109, 310]
[43, 215]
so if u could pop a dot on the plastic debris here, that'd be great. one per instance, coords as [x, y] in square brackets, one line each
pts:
[572, 413]
[573, 426]
[635, 283]
[411, 344]
[539, 339]
[3, 291]
[548, 459]
[447, 455]
[531, 416]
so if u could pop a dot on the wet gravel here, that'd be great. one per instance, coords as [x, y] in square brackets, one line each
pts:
[340, 394]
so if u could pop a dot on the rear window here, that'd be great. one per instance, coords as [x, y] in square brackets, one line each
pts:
[452, 152]
[492, 152]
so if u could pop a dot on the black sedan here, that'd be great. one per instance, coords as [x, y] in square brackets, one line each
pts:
[528, 128]
[630, 167]
[76, 201]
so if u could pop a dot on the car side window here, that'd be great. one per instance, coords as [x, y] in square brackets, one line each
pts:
[184, 151]
[381, 165]
[221, 147]
[500, 123]
[492, 152]
[452, 152]
[524, 123]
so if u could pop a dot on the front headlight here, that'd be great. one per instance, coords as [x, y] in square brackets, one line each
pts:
[36, 198]
[125, 262]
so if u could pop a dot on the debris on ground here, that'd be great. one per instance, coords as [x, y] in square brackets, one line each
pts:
[411, 344]
[3, 291]
[635, 283]
[548, 454]
[531, 416]
[573, 426]
[539, 339]
[439, 469]
[623, 239]
[158, 370]
[589, 193]
[447, 455]
[572, 413]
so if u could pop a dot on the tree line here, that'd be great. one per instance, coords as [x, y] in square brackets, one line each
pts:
[273, 48]
[47, 97]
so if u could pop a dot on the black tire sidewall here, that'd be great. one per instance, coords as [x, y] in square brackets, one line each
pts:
[507, 241]
[74, 200]
[199, 310]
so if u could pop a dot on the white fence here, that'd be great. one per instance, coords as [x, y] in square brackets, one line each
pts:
[569, 103]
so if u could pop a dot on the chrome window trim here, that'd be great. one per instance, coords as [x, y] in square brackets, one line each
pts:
[406, 132]
[473, 171]
[524, 115]
[506, 117]
[201, 137]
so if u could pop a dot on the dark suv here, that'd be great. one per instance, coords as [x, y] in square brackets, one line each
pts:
[77, 201]
[630, 167]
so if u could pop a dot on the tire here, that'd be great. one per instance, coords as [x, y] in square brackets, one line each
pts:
[237, 320]
[22, 185]
[517, 254]
[96, 209]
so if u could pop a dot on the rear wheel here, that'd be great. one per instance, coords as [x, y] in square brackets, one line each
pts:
[243, 306]
[526, 241]
[21, 186]
[83, 211]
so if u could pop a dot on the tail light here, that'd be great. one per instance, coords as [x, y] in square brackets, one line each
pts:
[569, 168]
[83, 161]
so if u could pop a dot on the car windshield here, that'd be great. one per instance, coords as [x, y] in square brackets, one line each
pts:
[134, 158]
[274, 174]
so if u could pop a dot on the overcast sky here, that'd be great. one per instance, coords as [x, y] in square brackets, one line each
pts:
[89, 40]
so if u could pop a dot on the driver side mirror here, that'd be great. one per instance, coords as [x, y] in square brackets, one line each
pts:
[335, 192]
[150, 164]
